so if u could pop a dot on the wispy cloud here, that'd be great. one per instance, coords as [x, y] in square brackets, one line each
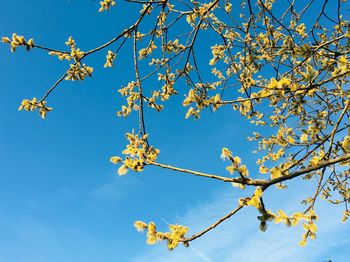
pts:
[116, 188]
[240, 240]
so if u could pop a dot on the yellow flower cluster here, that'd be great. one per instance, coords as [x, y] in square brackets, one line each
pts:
[235, 165]
[70, 42]
[201, 101]
[31, 105]
[217, 73]
[255, 199]
[132, 97]
[18, 41]
[191, 19]
[76, 54]
[61, 56]
[78, 71]
[149, 11]
[276, 172]
[173, 237]
[110, 59]
[245, 107]
[144, 52]
[263, 169]
[282, 83]
[228, 7]
[304, 137]
[218, 52]
[194, 112]
[343, 67]
[300, 29]
[346, 215]
[267, 3]
[285, 136]
[293, 220]
[190, 98]
[317, 158]
[106, 5]
[309, 74]
[138, 154]
[346, 144]
[204, 9]
[152, 102]
[167, 89]
[173, 46]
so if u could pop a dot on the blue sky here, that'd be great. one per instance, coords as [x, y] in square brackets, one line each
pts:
[60, 198]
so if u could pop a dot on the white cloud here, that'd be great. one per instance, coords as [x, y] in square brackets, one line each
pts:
[240, 240]
[116, 188]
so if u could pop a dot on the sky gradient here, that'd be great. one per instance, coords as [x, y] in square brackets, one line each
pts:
[60, 198]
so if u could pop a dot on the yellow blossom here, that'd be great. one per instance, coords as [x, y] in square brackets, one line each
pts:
[225, 153]
[140, 226]
[106, 4]
[115, 159]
